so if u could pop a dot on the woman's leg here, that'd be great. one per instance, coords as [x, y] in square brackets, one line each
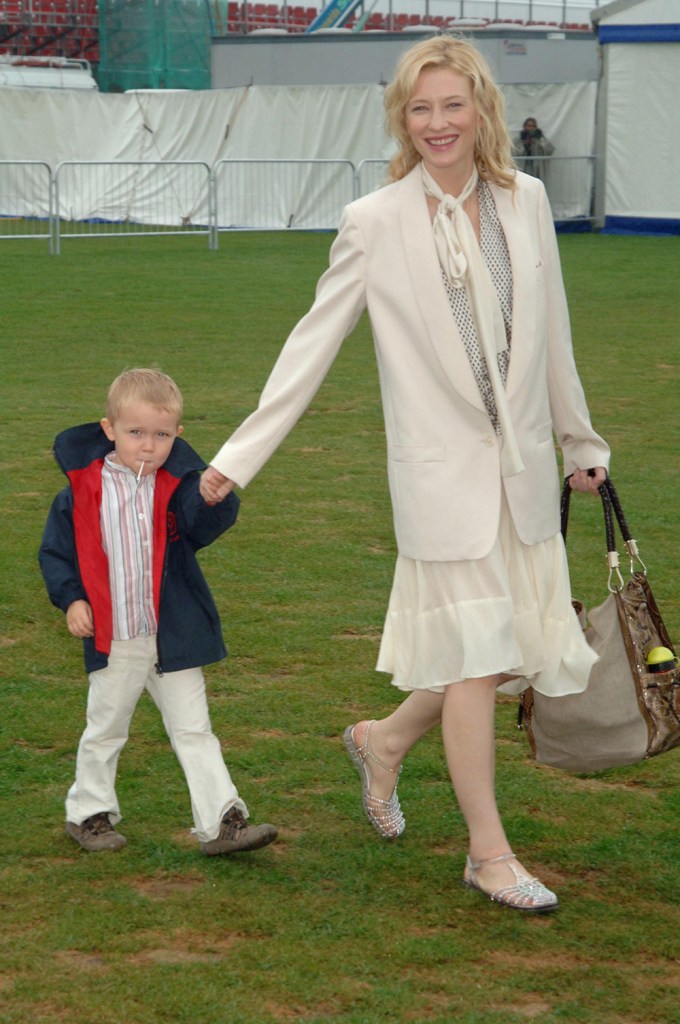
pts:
[469, 741]
[391, 738]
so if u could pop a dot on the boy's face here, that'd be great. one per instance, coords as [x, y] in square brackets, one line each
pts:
[143, 435]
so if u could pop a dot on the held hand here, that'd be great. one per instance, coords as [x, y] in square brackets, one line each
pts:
[588, 480]
[214, 486]
[79, 619]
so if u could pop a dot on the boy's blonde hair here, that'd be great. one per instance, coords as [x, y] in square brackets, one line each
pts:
[493, 149]
[144, 385]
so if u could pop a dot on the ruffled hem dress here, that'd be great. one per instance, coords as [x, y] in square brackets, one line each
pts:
[509, 612]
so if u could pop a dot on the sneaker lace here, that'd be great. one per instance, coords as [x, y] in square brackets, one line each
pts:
[233, 822]
[98, 824]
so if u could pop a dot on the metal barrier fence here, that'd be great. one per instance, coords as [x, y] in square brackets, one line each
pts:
[86, 199]
[370, 175]
[117, 198]
[297, 195]
[569, 182]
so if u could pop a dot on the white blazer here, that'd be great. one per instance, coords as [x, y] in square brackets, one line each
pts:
[443, 455]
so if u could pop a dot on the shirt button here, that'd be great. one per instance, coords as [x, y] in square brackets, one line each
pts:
[140, 515]
[488, 441]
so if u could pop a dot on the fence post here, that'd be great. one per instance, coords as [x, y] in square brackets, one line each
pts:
[213, 233]
[55, 238]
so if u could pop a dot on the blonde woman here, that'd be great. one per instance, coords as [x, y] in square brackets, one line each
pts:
[456, 262]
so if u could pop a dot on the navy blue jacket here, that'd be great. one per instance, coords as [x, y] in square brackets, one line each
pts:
[75, 566]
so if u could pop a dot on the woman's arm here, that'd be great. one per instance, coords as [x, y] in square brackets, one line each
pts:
[303, 363]
[582, 447]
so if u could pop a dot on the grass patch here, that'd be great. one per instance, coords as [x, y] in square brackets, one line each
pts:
[330, 924]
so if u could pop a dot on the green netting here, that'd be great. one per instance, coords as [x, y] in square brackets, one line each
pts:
[154, 44]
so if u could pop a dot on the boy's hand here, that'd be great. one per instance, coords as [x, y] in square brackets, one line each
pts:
[214, 486]
[79, 619]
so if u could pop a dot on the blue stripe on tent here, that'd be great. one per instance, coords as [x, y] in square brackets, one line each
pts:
[572, 227]
[638, 33]
[641, 226]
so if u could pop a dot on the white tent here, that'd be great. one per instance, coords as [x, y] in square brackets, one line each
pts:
[639, 116]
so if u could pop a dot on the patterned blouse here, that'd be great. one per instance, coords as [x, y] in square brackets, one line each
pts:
[497, 258]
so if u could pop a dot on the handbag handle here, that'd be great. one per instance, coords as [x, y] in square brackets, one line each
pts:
[612, 509]
[630, 543]
[603, 491]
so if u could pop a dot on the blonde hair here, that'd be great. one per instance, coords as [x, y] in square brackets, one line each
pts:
[144, 385]
[492, 145]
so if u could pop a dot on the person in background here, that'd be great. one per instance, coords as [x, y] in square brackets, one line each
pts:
[119, 559]
[533, 144]
[456, 262]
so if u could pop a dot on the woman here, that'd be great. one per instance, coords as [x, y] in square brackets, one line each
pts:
[476, 372]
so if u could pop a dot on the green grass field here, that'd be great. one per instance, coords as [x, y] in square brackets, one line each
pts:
[330, 924]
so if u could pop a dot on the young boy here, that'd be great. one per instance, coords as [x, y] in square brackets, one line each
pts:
[119, 558]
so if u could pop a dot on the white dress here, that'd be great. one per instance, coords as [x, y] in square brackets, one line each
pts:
[509, 612]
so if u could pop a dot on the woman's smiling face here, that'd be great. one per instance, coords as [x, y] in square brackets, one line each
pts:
[442, 119]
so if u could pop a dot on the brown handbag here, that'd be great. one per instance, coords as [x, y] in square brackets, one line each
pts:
[630, 710]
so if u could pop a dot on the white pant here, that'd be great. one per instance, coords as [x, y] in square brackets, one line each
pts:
[180, 698]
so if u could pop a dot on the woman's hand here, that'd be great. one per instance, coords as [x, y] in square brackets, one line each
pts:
[582, 480]
[215, 487]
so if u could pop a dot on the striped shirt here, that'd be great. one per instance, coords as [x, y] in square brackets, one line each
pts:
[127, 538]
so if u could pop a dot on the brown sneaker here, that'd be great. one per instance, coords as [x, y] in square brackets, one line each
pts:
[96, 833]
[236, 835]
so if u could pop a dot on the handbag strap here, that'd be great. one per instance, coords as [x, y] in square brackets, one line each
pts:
[607, 509]
[618, 511]
[630, 543]
[612, 509]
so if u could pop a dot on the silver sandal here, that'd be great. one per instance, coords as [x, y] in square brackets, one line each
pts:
[527, 894]
[384, 815]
